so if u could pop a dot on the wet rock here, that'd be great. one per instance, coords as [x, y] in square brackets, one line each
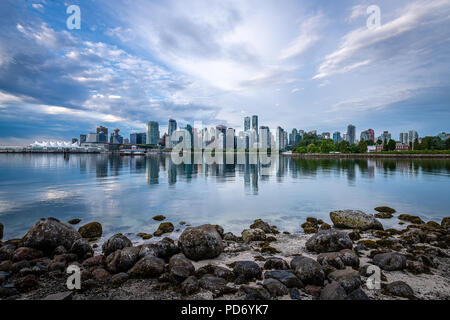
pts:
[26, 283]
[6, 265]
[101, 274]
[357, 294]
[212, 283]
[166, 248]
[180, 267]
[260, 224]
[333, 291]
[308, 270]
[275, 287]
[24, 253]
[147, 267]
[390, 261]
[329, 241]
[255, 292]
[116, 242]
[59, 250]
[60, 296]
[190, 286]
[350, 258]
[444, 224]
[313, 290]
[230, 237]
[348, 278]
[354, 235]
[47, 234]
[96, 261]
[275, 263]
[325, 226]
[249, 235]
[148, 249]
[159, 218]
[310, 227]
[333, 259]
[203, 242]
[398, 289]
[165, 227]
[57, 266]
[122, 260]
[385, 209]
[144, 236]
[287, 278]
[224, 273]
[295, 294]
[91, 230]
[249, 270]
[74, 221]
[411, 219]
[383, 215]
[354, 219]
[82, 249]
[7, 252]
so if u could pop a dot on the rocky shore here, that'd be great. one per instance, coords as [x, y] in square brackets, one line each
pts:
[329, 261]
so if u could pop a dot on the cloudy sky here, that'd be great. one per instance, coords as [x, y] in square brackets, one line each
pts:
[297, 64]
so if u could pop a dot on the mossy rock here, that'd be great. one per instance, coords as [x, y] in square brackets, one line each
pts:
[269, 249]
[370, 244]
[385, 209]
[286, 232]
[312, 220]
[410, 218]
[159, 218]
[271, 239]
[310, 230]
[354, 235]
[74, 221]
[380, 233]
[434, 225]
[384, 215]
[445, 223]
[325, 226]
[165, 227]
[386, 243]
[144, 236]
[91, 230]
[182, 223]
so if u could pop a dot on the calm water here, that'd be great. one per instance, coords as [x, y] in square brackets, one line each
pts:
[124, 193]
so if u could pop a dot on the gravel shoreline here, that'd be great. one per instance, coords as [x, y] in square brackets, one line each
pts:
[327, 262]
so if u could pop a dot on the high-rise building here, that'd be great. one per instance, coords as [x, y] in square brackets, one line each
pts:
[138, 138]
[83, 138]
[255, 123]
[247, 123]
[191, 136]
[92, 137]
[102, 134]
[152, 133]
[368, 135]
[265, 141]
[386, 136]
[351, 134]
[231, 134]
[116, 138]
[403, 138]
[412, 136]
[293, 137]
[326, 135]
[279, 138]
[221, 136]
[337, 137]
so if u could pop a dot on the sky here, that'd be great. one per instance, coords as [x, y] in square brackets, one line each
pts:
[311, 65]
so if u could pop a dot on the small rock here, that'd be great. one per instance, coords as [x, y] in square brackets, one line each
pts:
[116, 242]
[256, 292]
[390, 261]
[26, 254]
[247, 269]
[399, 289]
[260, 224]
[385, 209]
[354, 219]
[230, 237]
[147, 267]
[333, 259]
[165, 227]
[60, 296]
[249, 235]
[357, 294]
[275, 263]
[212, 283]
[166, 248]
[190, 286]
[82, 249]
[275, 287]
[96, 261]
[329, 241]
[295, 294]
[159, 218]
[348, 278]
[74, 221]
[308, 270]
[444, 224]
[287, 278]
[333, 291]
[350, 258]
[118, 279]
[411, 219]
[91, 230]
[180, 267]
[313, 290]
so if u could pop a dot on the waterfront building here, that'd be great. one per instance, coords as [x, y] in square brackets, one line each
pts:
[337, 137]
[92, 137]
[230, 139]
[404, 138]
[265, 137]
[83, 138]
[293, 138]
[102, 134]
[401, 147]
[152, 133]
[220, 136]
[171, 129]
[255, 123]
[351, 133]
[138, 138]
[247, 123]
[412, 136]
[368, 135]
[116, 138]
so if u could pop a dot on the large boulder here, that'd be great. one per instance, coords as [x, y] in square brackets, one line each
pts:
[203, 242]
[116, 242]
[329, 241]
[260, 224]
[308, 270]
[249, 235]
[91, 230]
[354, 219]
[390, 261]
[47, 234]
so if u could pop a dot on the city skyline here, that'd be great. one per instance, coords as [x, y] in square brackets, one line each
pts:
[318, 68]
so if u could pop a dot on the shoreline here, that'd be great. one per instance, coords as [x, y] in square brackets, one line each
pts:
[262, 263]
[368, 156]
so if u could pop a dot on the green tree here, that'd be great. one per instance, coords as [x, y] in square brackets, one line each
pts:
[362, 147]
[391, 145]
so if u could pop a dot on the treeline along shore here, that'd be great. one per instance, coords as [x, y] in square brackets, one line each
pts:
[370, 155]
[351, 258]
